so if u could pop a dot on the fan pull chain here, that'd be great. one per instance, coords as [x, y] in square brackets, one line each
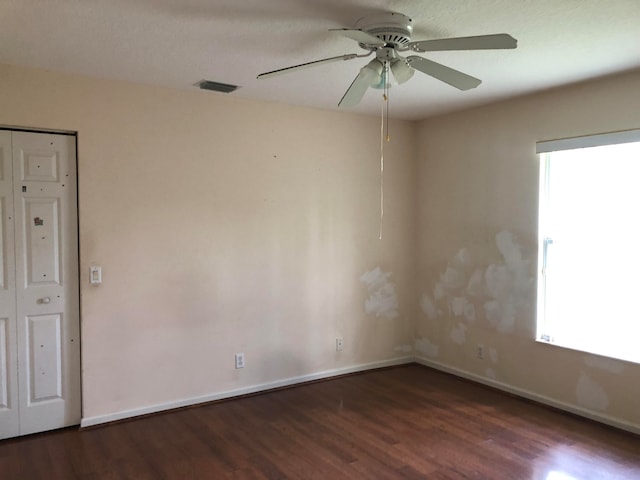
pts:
[384, 110]
[382, 164]
[384, 100]
[386, 97]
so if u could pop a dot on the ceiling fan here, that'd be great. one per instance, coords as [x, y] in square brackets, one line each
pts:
[389, 34]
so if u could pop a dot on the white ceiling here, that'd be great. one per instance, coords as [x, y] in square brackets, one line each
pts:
[177, 43]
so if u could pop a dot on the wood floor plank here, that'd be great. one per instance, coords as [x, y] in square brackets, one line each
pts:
[406, 422]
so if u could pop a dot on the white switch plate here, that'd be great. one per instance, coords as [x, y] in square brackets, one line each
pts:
[239, 360]
[95, 275]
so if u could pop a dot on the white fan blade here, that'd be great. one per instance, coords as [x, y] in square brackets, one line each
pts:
[457, 79]
[360, 36]
[369, 75]
[294, 68]
[356, 90]
[481, 42]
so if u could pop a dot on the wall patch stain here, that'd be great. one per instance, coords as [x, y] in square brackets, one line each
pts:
[497, 280]
[493, 355]
[428, 306]
[458, 334]
[458, 305]
[470, 312]
[439, 292]
[508, 284]
[475, 287]
[382, 300]
[491, 373]
[424, 346]
[482, 291]
[602, 363]
[452, 278]
[403, 349]
[501, 316]
[591, 395]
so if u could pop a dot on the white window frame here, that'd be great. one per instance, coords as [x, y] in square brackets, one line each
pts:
[544, 150]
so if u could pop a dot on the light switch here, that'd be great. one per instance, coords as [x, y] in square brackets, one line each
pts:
[95, 276]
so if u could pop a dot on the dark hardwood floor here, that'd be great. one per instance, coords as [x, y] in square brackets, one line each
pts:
[405, 422]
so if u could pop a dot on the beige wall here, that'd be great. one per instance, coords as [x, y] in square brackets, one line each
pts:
[478, 203]
[225, 226]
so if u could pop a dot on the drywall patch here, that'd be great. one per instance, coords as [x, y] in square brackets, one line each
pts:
[424, 346]
[602, 363]
[491, 373]
[470, 312]
[591, 395]
[482, 291]
[458, 305]
[403, 349]
[508, 284]
[502, 316]
[475, 287]
[428, 306]
[493, 355]
[459, 334]
[382, 300]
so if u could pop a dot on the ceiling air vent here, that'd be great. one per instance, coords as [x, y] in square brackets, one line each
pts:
[217, 86]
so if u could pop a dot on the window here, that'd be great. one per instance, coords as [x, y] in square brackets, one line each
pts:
[589, 244]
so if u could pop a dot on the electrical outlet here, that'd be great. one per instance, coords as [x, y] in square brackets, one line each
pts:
[339, 344]
[239, 360]
[480, 351]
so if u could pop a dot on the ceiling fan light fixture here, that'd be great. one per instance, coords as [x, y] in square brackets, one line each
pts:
[372, 72]
[401, 70]
[381, 83]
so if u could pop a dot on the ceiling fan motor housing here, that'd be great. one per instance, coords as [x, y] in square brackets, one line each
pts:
[394, 29]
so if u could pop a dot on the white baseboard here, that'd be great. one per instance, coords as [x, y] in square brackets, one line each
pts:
[599, 417]
[583, 412]
[112, 417]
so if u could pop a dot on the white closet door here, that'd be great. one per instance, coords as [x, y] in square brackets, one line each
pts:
[9, 412]
[46, 281]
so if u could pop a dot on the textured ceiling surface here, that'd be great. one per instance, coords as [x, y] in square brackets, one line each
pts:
[177, 43]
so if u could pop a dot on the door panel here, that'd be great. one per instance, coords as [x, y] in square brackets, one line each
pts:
[39, 166]
[9, 410]
[3, 228]
[4, 363]
[45, 358]
[46, 252]
[42, 248]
